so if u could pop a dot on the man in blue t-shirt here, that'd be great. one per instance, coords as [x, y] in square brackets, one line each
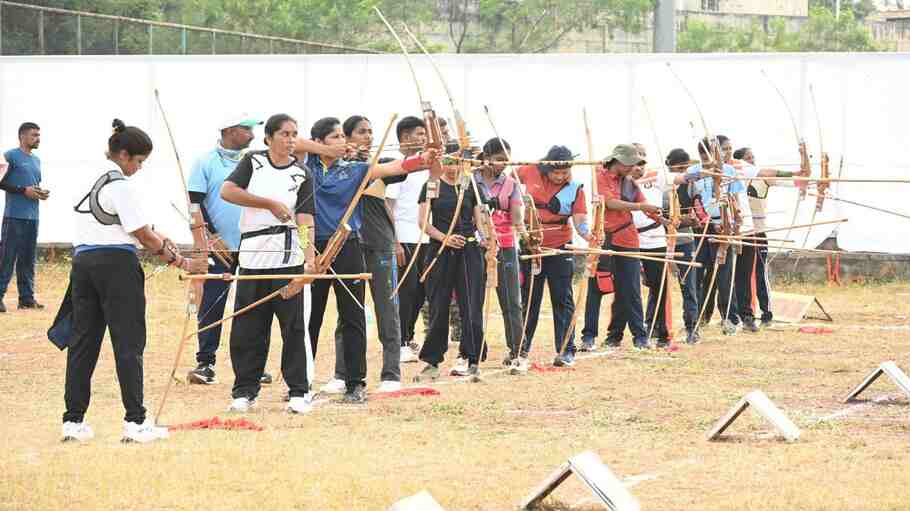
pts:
[19, 237]
[223, 221]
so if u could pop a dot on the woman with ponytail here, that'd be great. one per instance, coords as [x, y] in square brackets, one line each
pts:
[108, 287]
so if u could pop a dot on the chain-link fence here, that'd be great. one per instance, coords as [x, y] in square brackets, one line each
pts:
[32, 30]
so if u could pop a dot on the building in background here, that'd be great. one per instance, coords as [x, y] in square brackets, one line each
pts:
[891, 28]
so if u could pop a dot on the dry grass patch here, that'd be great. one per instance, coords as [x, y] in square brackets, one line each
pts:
[480, 446]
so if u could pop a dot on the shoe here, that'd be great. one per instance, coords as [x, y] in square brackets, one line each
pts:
[204, 374]
[564, 360]
[460, 368]
[299, 404]
[2, 307]
[612, 343]
[641, 345]
[520, 366]
[77, 432]
[407, 355]
[334, 386]
[663, 343]
[31, 304]
[692, 337]
[356, 396]
[507, 362]
[389, 386]
[142, 433]
[241, 404]
[429, 373]
[265, 379]
[474, 372]
[728, 328]
[750, 326]
[587, 345]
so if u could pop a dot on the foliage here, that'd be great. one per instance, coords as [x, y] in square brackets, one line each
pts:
[821, 32]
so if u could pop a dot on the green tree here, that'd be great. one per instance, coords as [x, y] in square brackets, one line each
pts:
[821, 32]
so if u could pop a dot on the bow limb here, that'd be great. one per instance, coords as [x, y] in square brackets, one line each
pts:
[597, 206]
[804, 165]
[670, 228]
[191, 299]
[821, 186]
[532, 227]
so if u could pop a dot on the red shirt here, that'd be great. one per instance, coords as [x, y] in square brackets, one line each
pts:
[541, 189]
[609, 186]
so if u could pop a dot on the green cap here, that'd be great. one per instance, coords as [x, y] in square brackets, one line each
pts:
[242, 119]
[626, 154]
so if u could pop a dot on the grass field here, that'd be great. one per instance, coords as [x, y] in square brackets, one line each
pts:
[485, 445]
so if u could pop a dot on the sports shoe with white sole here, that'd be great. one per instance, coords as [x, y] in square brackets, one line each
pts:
[204, 374]
[143, 433]
[300, 404]
[428, 374]
[389, 386]
[77, 432]
[460, 368]
[520, 366]
[241, 405]
[334, 386]
[407, 355]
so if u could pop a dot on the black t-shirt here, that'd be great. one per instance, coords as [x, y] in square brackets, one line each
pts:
[275, 178]
[443, 207]
[378, 231]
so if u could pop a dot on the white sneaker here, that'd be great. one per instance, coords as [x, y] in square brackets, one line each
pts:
[78, 431]
[460, 368]
[143, 433]
[520, 365]
[334, 386]
[389, 386]
[241, 405]
[300, 404]
[407, 355]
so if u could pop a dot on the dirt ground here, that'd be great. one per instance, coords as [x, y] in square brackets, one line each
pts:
[480, 445]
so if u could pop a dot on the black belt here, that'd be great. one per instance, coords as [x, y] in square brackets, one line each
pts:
[647, 228]
[287, 230]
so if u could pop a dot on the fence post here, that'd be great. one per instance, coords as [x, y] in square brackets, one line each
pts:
[214, 45]
[271, 46]
[78, 35]
[151, 40]
[116, 37]
[1, 29]
[183, 40]
[242, 43]
[41, 31]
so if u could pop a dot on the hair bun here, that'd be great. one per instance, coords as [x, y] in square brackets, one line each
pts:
[119, 126]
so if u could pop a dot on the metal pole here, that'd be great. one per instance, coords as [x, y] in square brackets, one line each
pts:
[271, 46]
[665, 27]
[117, 37]
[183, 40]
[1, 29]
[837, 9]
[78, 35]
[41, 31]
[151, 40]
[242, 43]
[214, 45]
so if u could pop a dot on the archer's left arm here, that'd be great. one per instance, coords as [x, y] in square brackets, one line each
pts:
[420, 161]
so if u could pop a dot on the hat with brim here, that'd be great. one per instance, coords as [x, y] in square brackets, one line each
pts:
[557, 153]
[625, 154]
[243, 120]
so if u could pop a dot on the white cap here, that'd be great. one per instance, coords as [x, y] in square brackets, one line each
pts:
[242, 119]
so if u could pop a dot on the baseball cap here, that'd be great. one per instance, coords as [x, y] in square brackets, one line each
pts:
[557, 153]
[242, 119]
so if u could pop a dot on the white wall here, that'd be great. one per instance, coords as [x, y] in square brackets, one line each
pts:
[536, 101]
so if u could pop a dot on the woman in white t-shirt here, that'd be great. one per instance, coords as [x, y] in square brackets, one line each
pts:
[275, 192]
[108, 287]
